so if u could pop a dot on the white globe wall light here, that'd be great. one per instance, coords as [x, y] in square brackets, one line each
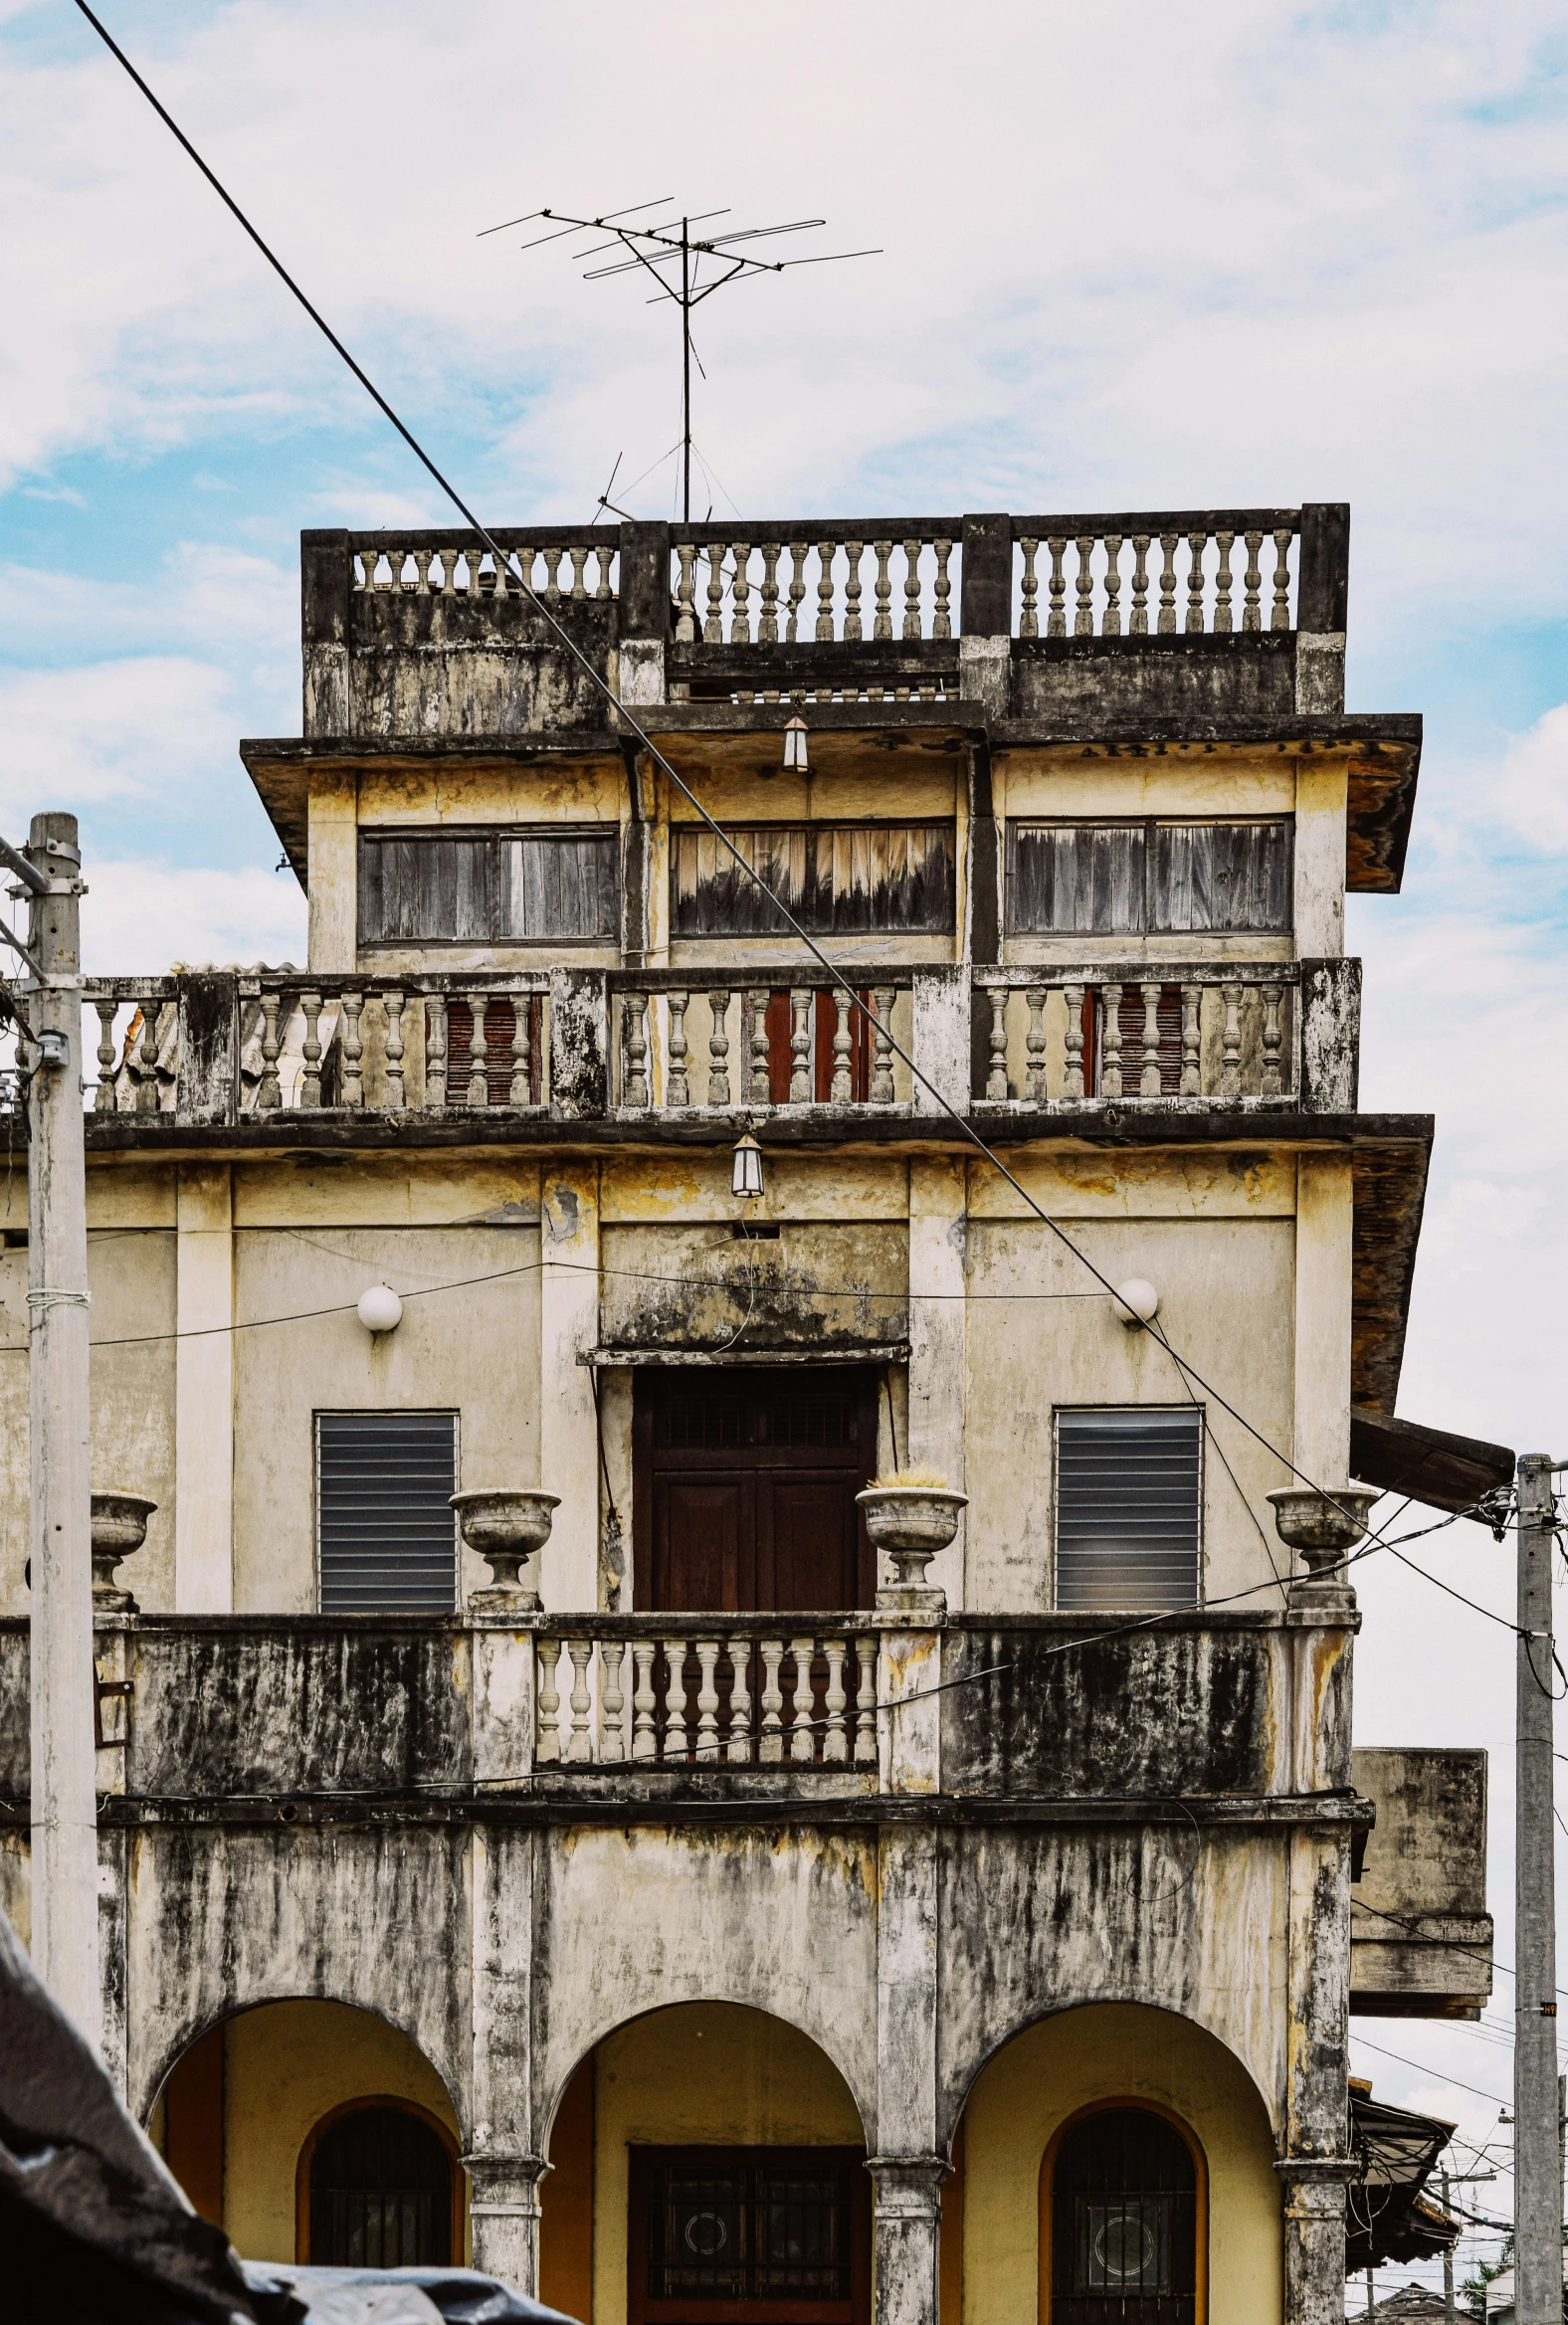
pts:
[379, 1309]
[1136, 1302]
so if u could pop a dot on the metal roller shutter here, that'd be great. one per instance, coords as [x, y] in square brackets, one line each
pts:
[1129, 1503]
[386, 1538]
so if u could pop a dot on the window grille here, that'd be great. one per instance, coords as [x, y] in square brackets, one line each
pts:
[1129, 1504]
[742, 2225]
[386, 1537]
[380, 2193]
[1124, 2222]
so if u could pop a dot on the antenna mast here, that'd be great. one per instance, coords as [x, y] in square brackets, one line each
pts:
[658, 247]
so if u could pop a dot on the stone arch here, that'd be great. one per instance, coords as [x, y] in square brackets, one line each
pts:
[1071, 2061]
[240, 2105]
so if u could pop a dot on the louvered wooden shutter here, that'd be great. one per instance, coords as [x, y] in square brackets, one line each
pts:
[1130, 1498]
[386, 1537]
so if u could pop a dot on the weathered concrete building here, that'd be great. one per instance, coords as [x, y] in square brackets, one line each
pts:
[743, 1934]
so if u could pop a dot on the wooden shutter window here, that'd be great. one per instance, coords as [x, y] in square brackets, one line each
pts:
[1129, 1504]
[386, 1536]
[1137, 878]
[488, 887]
[1234, 877]
[1084, 879]
[835, 880]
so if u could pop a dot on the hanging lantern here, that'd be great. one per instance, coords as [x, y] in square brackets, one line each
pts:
[746, 1176]
[795, 762]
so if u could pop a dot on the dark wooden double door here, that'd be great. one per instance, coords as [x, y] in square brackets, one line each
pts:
[745, 1485]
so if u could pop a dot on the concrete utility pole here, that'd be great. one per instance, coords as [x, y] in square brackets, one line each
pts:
[64, 1807]
[1453, 2180]
[1538, 2264]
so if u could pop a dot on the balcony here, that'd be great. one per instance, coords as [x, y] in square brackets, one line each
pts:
[1223, 614]
[520, 1055]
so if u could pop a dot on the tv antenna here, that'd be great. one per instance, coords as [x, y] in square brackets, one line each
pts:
[658, 248]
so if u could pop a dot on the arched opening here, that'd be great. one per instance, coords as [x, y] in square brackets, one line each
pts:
[246, 2109]
[1121, 2225]
[379, 2186]
[1067, 2130]
[707, 2157]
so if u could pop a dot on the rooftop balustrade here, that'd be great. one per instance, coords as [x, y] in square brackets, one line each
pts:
[689, 1048]
[1163, 611]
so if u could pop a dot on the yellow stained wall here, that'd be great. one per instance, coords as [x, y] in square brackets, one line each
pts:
[285, 2065]
[702, 2074]
[1116, 2051]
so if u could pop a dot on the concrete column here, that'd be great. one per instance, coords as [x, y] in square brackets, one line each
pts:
[1316, 2166]
[938, 1219]
[1324, 1219]
[334, 839]
[907, 2214]
[908, 2170]
[1314, 2240]
[204, 1391]
[1321, 804]
[568, 1435]
[502, 2168]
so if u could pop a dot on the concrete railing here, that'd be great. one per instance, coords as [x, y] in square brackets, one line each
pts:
[215, 1048]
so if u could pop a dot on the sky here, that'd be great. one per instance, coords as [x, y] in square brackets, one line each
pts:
[1130, 256]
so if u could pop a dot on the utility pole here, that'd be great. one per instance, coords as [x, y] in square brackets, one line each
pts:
[1455, 2180]
[64, 1806]
[1538, 2265]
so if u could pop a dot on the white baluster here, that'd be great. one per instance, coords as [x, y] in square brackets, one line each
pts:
[604, 551]
[1029, 618]
[685, 594]
[644, 1735]
[835, 1734]
[634, 1049]
[843, 1090]
[1196, 545]
[677, 1089]
[579, 558]
[803, 1736]
[392, 1047]
[435, 1050]
[768, 619]
[1167, 620]
[548, 1746]
[824, 554]
[853, 552]
[1138, 627]
[1251, 583]
[800, 1048]
[942, 621]
[713, 627]
[865, 1700]
[882, 626]
[1110, 1069]
[996, 1079]
[580, 1746]
[1222, 585]
[611, 1701]
[1273, 1038]
[1111, 626]
[706, 1699]
[770, 1747]
[675, 1698]
[1056, 620]
[1231, 1044]
[1072, 1077]
[884, 998]
[1190, 1041]
[799, 551]
[1149, 1080]
[761, 1081]
[519, 1091]
[740, 620]
[479, 1053]
[718, 1049]
[268, 1094]
[739, 1750]
[552, 567]
[911, 589]
[103, 1095]
[1034, 1043]
[1084, 623]
[351, 1008]
[310, 1050]
[1279, 619]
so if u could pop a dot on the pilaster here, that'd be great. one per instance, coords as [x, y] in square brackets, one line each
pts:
[938, 1218]
[204, 1391]
[568, 1434]
[1324, 1223]
[333, 824]
[504, 2170]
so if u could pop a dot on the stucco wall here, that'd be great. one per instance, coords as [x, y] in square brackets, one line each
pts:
[1117, 2051]
[707, 2074]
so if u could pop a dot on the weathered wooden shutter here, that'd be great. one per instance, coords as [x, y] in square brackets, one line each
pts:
[483, 888]
[1130, 1501]
[835, 880]
[1221, 876]
[386, 1537]
[1075, 879]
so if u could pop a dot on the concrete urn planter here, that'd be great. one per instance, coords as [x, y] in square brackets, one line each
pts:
[1323, 1527]
[508, 1525]
[118, 1527]
[911, 1523]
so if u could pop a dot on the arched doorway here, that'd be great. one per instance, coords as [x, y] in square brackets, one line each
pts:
[1122, 2219]
[379, 2188]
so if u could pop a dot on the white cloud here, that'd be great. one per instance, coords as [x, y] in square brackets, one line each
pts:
[139, 918]
[1531, 793]
[109, 730]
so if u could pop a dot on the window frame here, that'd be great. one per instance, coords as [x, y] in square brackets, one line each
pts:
[374, 834]
[1047, 2194]
[811, 826]
[1189, 1406]
[357, 2106]
[644, 2310]
[454, 1412]
[1149, 826]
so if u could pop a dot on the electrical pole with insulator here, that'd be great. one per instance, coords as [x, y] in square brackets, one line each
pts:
[64, 1879]
[1538, 2254]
